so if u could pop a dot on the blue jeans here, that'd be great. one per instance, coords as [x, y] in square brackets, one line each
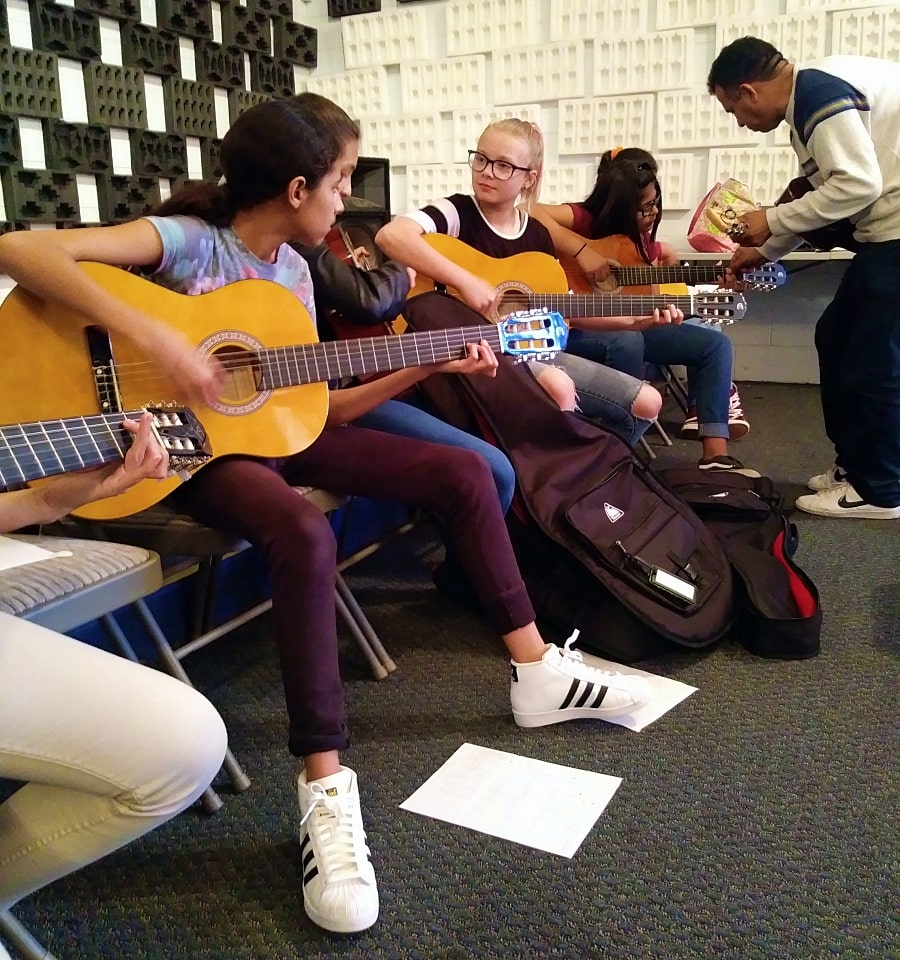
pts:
[605, 395]
[702, 348]
[410, 418]
[858, 342]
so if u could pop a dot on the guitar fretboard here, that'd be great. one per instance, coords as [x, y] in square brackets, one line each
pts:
[693, 273]
[29, 451]
[607, 304]
[317, 362]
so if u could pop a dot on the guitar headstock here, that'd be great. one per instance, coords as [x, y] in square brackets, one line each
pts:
[765, 277]
[533, 334]
[722, 306]
[181, 435]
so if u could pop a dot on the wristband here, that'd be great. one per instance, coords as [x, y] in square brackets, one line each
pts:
[575, 257]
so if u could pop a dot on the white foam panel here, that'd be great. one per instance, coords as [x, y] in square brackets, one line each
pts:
[657, 61]
[405, 139]
[473, 26]
[687, 119]
[597, 18]
[586, 126]
[425, 184]
[359, 92]
[375, 39]
[546, 72]
[455, 83]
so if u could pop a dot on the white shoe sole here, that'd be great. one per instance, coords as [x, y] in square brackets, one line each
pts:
[334, 926]
[865, 511]
[529, 720]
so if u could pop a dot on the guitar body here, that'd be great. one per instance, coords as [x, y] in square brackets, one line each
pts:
[621, 250]
[838, 234]
[59, 378]
[544, 273]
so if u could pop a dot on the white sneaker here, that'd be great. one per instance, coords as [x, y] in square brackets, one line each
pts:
[831, 478]
[844, 502]
[339, 889]
[561, 686]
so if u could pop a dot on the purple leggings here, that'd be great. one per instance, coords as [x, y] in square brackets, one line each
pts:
[252, 499]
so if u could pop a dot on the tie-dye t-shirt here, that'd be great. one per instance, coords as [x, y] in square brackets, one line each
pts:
[198, 258]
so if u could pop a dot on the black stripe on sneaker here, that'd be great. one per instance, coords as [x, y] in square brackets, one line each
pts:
[600, 696]
[573, 689]
[309, 858]
[309, 876]
[583, 699]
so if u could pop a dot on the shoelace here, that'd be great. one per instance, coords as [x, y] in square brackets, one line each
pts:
[581, 669]
[344, 852]
[734, 405]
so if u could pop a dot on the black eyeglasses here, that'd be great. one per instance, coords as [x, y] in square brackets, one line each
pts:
[499, 168]
[648, 208]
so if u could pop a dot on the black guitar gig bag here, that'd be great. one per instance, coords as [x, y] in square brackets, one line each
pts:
[603, 546]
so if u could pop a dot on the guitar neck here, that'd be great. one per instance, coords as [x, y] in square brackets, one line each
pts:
[45, 448]
[317, 362]
[607, 304]
[682, 273]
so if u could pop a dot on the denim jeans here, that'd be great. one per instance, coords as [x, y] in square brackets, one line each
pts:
[108, 750]
[605, 395]
[702, 348]
[410, 418]
[858, 342]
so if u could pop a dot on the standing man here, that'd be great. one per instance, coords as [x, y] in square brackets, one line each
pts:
[844, 117]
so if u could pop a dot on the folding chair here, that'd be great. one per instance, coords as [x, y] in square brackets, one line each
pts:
[62, 593]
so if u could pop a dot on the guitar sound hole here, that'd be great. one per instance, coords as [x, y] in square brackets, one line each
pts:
[243, 377]
[514, 299]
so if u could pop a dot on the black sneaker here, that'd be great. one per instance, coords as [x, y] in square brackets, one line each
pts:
[726, 464]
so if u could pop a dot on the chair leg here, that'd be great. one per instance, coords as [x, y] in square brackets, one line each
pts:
[239, 780]
[648, 450]
[21, 940]
[210, 801]
[665, 437]
[363, 621]
[376, 666]
[676, 388]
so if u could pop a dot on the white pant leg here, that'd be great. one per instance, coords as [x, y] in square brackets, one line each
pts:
[109, 750]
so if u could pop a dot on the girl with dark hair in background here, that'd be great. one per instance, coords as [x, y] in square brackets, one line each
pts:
[627, 201]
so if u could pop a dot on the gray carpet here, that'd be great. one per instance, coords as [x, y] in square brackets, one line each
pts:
[755, 820]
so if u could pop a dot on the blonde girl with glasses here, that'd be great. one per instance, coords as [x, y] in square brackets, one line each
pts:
[495, 219]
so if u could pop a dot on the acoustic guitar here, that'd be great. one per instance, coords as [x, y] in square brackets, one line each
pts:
[47, 448]
[274, 400]
[837, 234]
[546, 286]
[632, 274]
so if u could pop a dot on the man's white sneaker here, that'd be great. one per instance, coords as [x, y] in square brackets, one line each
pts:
[561, 686]
[844, 502]
[339, 889]
[828, 480]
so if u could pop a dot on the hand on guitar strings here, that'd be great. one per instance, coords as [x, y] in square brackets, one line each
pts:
[754, 229]
[195, 377]
[593, 265]
[145, 459]
[479, 359]
[659, 317]
[481, 296]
